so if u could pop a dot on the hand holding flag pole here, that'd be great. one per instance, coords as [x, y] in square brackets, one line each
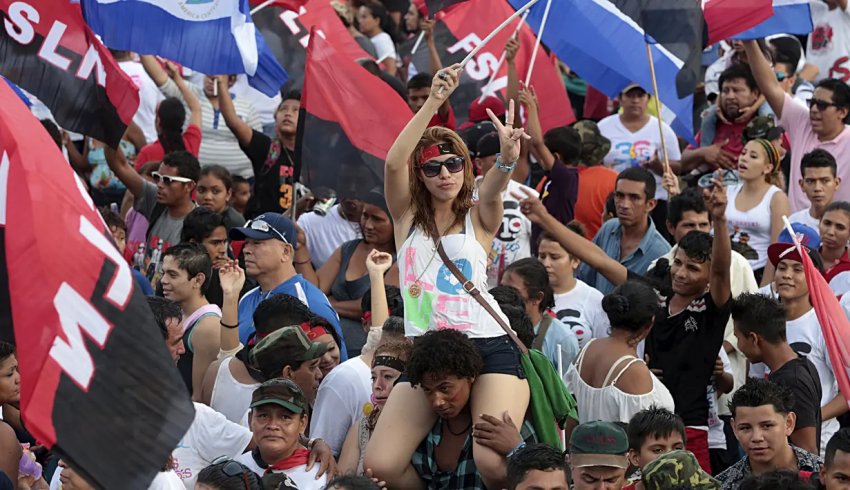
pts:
[495, 72]
[537, 43]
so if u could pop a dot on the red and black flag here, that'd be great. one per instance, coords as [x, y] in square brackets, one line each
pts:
[48, 50]
[97, 383]
[461, 28]
[284, 4]
[435, 6]
[349, 120]
[287, 31]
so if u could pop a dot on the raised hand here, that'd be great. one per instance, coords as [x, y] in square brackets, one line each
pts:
[531, 206]
[528, 97]
[445, 82]
[717, 199]
[378, 262]
[173, 71]
[511, 48]
[232, 278]
[427, 26]
[509, 136]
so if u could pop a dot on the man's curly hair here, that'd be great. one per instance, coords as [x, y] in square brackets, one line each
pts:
[443, 353]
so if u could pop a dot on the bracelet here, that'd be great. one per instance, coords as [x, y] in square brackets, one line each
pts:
[228, 326]
[302, 263]
[515, 450]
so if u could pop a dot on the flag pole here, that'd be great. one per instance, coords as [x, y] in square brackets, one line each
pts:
[261, 6]
[417, 43]
[501, 60]
[537, 43]
[666, 161]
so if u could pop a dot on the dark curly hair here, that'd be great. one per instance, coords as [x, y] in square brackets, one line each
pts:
[441, 353]
[758, 392]
[520, 322]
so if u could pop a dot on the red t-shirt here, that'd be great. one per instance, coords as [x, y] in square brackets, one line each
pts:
[838, 275]
[594, 185]
[154, 152]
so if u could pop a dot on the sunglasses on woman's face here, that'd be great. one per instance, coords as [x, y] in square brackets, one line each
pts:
[432, 168]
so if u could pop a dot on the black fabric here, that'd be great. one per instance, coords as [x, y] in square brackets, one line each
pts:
[559, 196]
[273, 184]
[801, 377]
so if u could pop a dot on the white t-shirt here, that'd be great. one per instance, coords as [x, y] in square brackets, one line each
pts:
[581, 310]
[326, 233]
[341, 401]
[805, 217]
[209, 437]
[303, 479]
[829, 41]
[716, 436]
[751, 227]
[806, 338]
[149, 98]
[633, 149]
[164, 480]
[384, 46]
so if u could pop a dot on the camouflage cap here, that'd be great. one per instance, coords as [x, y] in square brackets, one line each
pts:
[761, 127]
[594, 146]
[677, 468]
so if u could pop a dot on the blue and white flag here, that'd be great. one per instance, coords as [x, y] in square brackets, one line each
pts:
[607, 48]
[215, 37]
[789, 17]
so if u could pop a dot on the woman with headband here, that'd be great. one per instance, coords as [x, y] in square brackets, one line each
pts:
[428, 187]
[387, 365]
[756, 205]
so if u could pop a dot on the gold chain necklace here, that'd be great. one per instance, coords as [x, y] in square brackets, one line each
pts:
[415, 289]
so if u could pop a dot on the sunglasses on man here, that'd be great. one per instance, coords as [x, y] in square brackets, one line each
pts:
[432, 168]
[169, 179]
[822, 105]
[260, 225]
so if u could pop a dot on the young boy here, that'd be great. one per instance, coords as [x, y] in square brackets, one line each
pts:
[653, 432]
[241, 194]
[760, 330]
[835, 471]
[819, 182]
[118, 229]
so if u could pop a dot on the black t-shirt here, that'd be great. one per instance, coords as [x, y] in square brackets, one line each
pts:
[685, 347]
[559, 196]
[273, 183]
[801, 377]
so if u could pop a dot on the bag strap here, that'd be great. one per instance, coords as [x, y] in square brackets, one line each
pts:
[545, 323]
[473, 291]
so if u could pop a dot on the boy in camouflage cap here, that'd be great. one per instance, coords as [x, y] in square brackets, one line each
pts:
[677, 468]
[594, 146]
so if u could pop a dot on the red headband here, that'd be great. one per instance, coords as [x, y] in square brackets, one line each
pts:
[313, 332]
[435, 151]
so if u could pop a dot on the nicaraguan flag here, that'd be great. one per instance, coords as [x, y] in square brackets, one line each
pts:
[608, 49]
[215, 37]
[789, 17]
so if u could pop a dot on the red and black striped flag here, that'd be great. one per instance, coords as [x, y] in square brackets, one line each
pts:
[97, 383]
[349, 120]
[47, 49]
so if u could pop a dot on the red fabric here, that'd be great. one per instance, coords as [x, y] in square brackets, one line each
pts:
[298, 458]
[632, 486]
[597, 105]
[313, 332]
[594, 185]
[835, 270]
[698, 444]
[805, 475]
[833, 322]
[284, 4]
[154, 151]
[726, 18]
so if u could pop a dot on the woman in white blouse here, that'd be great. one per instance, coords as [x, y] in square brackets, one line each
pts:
[374, 21]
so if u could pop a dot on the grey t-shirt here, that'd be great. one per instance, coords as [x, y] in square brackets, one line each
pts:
[165, 228]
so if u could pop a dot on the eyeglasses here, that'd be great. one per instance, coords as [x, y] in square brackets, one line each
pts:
[432, 168]
[260, 225]
[169, 179]
[822, 105]
[232, 468]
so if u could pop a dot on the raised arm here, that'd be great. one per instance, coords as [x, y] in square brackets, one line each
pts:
[490, 207]
[188, 95]
[765, 78]
[578, 246]
[124, 171]
[511, 48]
[238, 127]
[528, 98]
[232, 278]
[378, 263]
[396, 178]
[154, 69]
[720, 282]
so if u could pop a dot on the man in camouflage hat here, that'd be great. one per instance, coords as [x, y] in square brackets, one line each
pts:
[677, 468]
[596, 181]
[288, 353]
[598, 456]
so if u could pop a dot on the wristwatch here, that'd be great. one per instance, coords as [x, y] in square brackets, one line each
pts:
[504, 167]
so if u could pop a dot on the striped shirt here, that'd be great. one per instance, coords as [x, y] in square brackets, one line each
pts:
[219, 145]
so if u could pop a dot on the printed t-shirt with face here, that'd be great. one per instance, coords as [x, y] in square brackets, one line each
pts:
[581, 311]
[634, 149]
[513, 240]
[209, 437]
[829, 43]
[275, 172]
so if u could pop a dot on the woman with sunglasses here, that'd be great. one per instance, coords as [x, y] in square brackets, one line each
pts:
[428, 187]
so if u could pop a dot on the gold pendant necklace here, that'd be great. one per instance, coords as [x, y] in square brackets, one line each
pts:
[415, 289]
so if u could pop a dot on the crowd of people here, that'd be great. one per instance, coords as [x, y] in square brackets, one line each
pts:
[378, 338]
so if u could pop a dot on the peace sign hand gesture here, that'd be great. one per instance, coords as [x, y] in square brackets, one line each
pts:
[509, 136]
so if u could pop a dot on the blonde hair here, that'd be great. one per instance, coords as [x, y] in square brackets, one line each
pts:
[773, 158]
[421, 197]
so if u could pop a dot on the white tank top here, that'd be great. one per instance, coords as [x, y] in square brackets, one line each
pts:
[230, 397]
[755, 224]
[441, 301]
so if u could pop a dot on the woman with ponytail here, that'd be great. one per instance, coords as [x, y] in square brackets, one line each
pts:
[170, 116]
[609, 381]
[756, 205]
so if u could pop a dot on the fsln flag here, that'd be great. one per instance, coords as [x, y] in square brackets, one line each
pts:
[728, 18]
[608, 49]
[47, 49]
[214, 37]
[789, 17]
[349, 120]
[89, 351]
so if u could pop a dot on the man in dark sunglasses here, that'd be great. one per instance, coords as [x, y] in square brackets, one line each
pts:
[822, 125]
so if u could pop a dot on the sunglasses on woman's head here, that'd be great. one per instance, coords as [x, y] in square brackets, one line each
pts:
[169, 179]
[432, 168]
[231, 469]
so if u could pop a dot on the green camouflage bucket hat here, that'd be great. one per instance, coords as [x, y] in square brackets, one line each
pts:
[677, 468]
[761, 127]
[594, 146]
